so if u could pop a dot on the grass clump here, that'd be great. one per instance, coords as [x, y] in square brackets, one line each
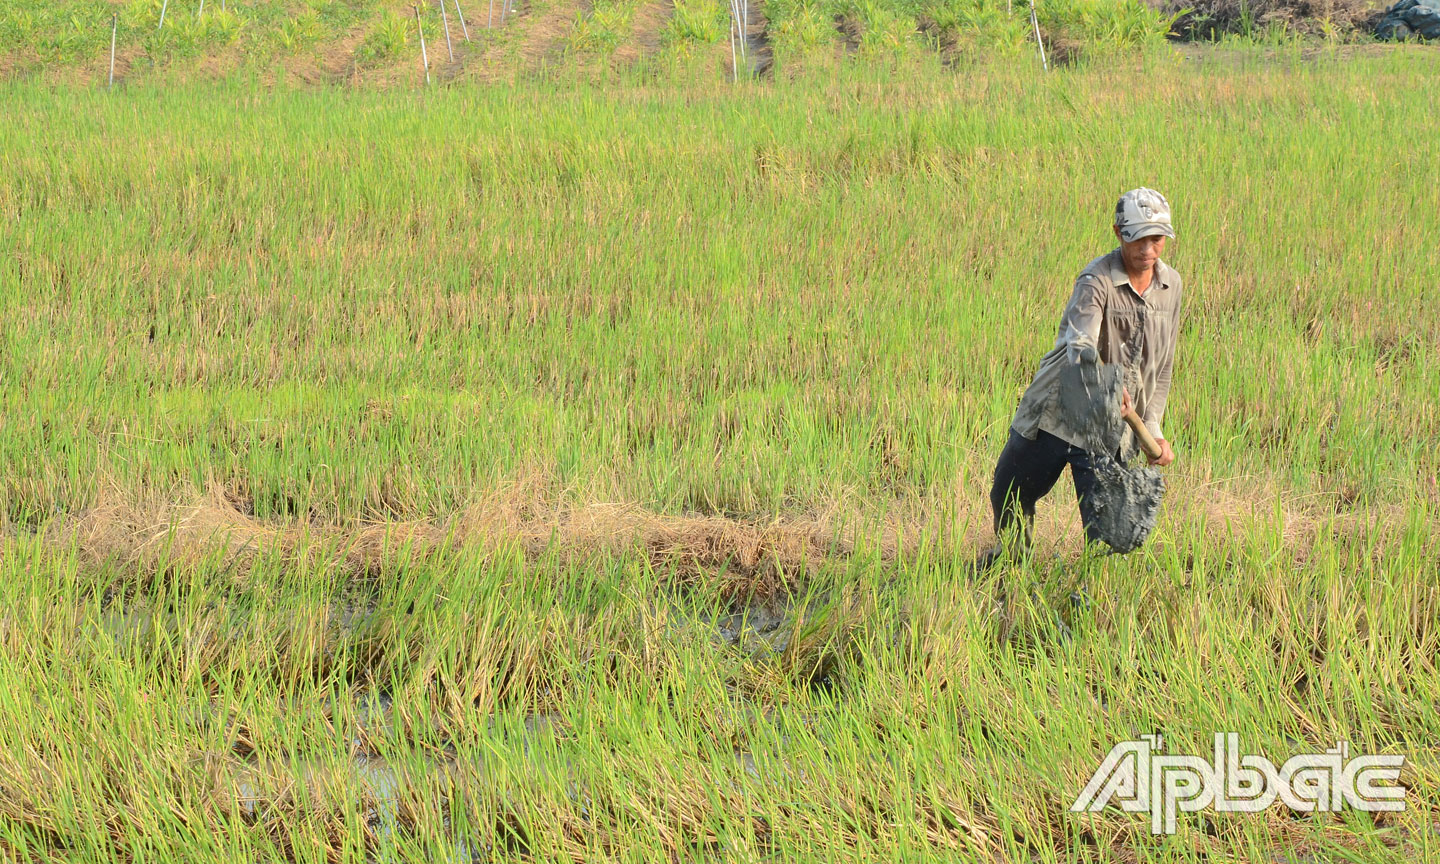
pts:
[300, 33]
[992, 26]
[389, 40]
[797, 27]
[603, 28]
[704, 22]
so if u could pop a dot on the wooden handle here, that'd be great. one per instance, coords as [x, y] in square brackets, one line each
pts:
[1147, 441]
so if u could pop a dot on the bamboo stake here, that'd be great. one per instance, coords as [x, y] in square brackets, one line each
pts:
[463, 28]
[1035, 22]
[742, 22]
[445, 19]
[745, 30]
[424, 57]
[114, 25]
[734, 65]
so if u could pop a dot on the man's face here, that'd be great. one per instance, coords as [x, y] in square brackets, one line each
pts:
[1140, 255]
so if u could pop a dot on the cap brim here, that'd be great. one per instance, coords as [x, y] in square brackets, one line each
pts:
[1146, 229]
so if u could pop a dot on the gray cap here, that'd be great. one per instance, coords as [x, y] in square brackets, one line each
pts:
[1142, 213]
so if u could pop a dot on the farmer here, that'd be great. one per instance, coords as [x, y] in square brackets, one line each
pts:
[1125, 309]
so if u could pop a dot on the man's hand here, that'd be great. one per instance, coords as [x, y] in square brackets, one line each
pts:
[1166, 454]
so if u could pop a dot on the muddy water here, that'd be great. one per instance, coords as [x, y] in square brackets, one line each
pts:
[378, 785]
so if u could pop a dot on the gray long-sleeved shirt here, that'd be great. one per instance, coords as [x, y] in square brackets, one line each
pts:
[1138, 332]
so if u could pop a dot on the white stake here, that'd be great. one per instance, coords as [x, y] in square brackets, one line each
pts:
[163, 6]
[734, 66]
[201, 10]
[740, 32]
[446, 20]
[745, 33]
[491, 23]
[1035, 22]
[463, 28]
[114, 23]
[424, 57]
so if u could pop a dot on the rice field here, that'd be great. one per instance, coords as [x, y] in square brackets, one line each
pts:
[554, 472]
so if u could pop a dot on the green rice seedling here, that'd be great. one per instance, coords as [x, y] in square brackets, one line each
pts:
[66, 38]
[985, 24]
[602, 29]
[224, 26]
[1102, 27]
[881, 28]
[798, 27]
[389, 39]
[300, 32]
[699, 21]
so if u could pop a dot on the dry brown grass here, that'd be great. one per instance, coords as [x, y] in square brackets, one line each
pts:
[755, 558]
[739, 557]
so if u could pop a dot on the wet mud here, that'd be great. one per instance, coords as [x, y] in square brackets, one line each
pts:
[1125, 500]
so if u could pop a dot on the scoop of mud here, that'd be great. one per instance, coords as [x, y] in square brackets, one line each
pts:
[1125, 501]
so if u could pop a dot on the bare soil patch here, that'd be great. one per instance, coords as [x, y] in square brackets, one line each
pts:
[646, 32]
[757, 39]
[546, 32]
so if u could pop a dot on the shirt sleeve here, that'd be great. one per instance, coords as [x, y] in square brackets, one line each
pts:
[1084, 314]
[1155, 405]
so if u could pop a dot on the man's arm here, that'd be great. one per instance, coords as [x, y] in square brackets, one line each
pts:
[1155, 405]
[1080, 325]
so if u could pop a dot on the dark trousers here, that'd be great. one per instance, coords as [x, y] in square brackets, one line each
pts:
[1027, 471]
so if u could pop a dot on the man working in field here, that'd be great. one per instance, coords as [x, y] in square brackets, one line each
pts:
[1125, 310]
